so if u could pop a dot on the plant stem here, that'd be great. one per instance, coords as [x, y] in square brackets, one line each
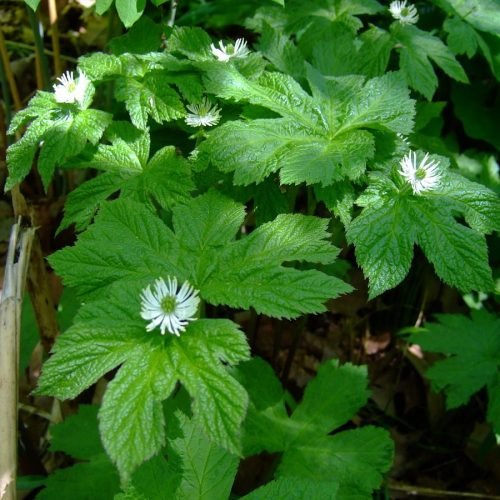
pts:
[37, 28]
[173, 12]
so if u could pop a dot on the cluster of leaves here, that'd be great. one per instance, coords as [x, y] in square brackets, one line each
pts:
[472, 347]
[312, 463]
[323, 109]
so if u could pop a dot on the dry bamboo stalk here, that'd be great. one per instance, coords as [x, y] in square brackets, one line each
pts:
[16, 267]
[8, 73]
[55, 37]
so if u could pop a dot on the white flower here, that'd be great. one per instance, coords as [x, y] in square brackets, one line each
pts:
[422, 177]
[203, 114]
[237, 51]
[404, 14]
[167, 307]
[69, 90]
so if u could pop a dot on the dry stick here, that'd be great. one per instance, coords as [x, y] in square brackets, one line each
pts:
[55, 37]
[420, 491]
[8, 73]
[18, 257]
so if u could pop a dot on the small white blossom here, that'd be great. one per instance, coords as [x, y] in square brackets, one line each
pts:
[224, 53]
[422, 177]
[404, 14]
[203, 114]
[69, 90]
[167, 307]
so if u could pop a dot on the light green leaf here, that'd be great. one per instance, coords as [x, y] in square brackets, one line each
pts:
[33, 4]
[208, 221]
[152, 97]
[81, 356]
[100, 258]
[191, 42]
[275, 91]
[131, 417]
[130, 11]
[473, 349]
[101, 6]
[201, 252]
[67, 139]
[208, 471]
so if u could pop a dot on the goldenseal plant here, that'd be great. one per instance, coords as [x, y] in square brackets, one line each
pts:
[328, 132]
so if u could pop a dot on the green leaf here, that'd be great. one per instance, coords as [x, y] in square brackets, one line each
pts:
[155, 479]
[462, 38]
[78, 435]
[98, 65]
[480, 205]
[373, 55]
[282, 52]
[472, 346]
[355, 459]
[323, 410]
[313, 143]
[21, 154]
[69, 138]
[459, 254]
[110, 333]
[208, 221]
[383, 249]
[295, 488]
[95, 479]
[82, 203]
[151, 97]
[240, 273]
[476, 110]
[101, 6]
[100, 258]
[33, 4]
[143, 37]
[483, 15]
[80, 357]
[208, 471]
[191, 42]
[130, 11]
[417, 47]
